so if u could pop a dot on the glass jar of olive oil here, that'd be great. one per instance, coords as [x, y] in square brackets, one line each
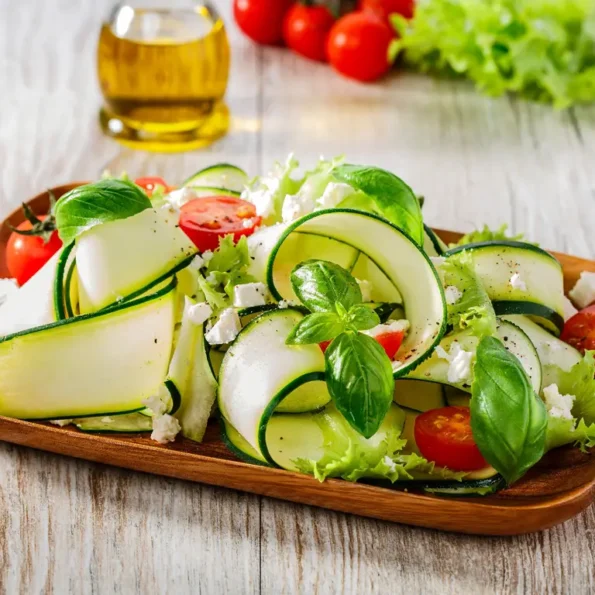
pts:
[163, 67]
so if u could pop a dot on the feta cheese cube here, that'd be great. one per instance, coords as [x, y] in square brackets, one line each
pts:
[157, 403]
[264, 197]
[366, 289]
[583, 293]
[394, 326]
[453, 295]
[176, 199]
[199, 313]
[569, 309]
[247, 223]
[516, 282]
[248, 295]
[283, 304]
[207, 255]
[459, 370]
[296, 206]
[558, 405]
[165, 429]
[226, 329]
[197, 263]
[334, 193]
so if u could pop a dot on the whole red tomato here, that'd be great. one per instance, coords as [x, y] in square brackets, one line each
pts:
[26, 254]
[384, 8]
[358, 46]
[262, 20]
[305, 30]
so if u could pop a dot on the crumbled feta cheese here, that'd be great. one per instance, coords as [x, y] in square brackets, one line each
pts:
[389, 463]
[366, 289]
[176, 199]
[583, 293]
[165, 429]
[437, 261]
[212, 278]
[107, 420]
[7, 288]
[61, 422]
[517, 283]
[157, 403]
[453, 295]
[198, 313]
[283, 304]
[297, 205]
[207, 255]
[334, 193]
[264, 197]
[459, 370]
[558, 405]
[394, 326]
[197, 263]
[226, 329]
[569, 309]
[247, 223]
[248, 295]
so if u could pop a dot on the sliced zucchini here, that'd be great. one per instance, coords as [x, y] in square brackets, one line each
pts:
[222, 175]
[71, 291]
[99, 364]
[65, 262]
[382, 289]
[33, 304]
[419, 395]
[455, 397]
[126, 258]
[541, 281]
[406, 266]
[208, 191]
[261, 374]
[129, 423]
[433, 245]
[240, 447]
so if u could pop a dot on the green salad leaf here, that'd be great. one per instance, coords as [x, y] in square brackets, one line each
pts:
[509, 422]
[90, 205]
[385, 194]
[543, 50]
[487, 235]
[561, 431]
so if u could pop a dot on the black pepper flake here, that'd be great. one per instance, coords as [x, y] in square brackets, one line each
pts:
[155, 341]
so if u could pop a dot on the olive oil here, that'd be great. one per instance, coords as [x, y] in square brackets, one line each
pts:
[163, 75]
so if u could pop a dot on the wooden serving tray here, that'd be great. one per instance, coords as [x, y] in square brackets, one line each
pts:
[559, 487]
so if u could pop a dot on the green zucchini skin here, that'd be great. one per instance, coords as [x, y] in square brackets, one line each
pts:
[59, 284]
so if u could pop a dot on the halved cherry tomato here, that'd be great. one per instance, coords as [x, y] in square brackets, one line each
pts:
[390, 342]
[26, 254]
[205, 220]
[358, 45]
[444, 436]
[306, 28]
[384, 8]
[579, 331]
[150, 183]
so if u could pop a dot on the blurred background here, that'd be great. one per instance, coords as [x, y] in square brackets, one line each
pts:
[476, 157]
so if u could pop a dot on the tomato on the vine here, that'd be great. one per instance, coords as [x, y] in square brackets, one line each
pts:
[205, 220]
[358, 46]
[384, 8]
[150, 183]
[306, 28]
[262, 20]
[579, 331]
[445, 437]
[31, 245]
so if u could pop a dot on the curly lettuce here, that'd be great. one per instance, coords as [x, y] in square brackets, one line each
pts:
[544, 50]
[487, 235]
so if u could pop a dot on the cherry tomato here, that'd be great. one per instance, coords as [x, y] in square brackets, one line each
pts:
[261, 20]
[358, 46]
[390, 342]
[579, 331]
[150, 183]
[205, 220]
[306, 28]
[26, 254]
[444, 436]
[384, 8]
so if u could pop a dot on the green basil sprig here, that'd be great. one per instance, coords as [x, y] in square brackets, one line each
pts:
[108, 200]
[358, 371]
[508, 420]
[390, 197]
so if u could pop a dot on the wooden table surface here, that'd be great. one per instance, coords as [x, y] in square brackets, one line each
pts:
[72, 527]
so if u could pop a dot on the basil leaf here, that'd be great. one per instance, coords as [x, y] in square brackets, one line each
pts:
[108, 200]
[324, 286]
[360, 380]
[362, 317]
[391, 197]
[509, 422]
[315, 328]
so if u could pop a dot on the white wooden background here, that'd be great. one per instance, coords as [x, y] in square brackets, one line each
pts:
[73, 527]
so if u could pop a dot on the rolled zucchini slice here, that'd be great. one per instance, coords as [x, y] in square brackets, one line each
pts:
[221, 175]
[539, 288]
[97, 364]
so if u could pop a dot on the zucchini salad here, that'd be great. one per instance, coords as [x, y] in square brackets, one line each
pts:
[313, 315]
